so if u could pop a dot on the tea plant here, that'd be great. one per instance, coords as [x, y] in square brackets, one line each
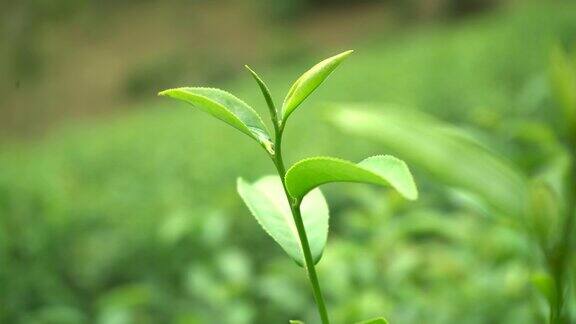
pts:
[289, 206]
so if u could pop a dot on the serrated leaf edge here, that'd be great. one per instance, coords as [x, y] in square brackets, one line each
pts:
[246, 127]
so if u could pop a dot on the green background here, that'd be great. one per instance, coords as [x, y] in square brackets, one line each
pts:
[120, 207]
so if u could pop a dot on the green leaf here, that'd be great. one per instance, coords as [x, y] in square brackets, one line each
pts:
[545, 284]
[267, 201]
[296, 322]
[309, 81]
[544, 215]
[226, 107]
[265, 91]
[382, 170]
[563, 78]
[447, 153]
[379, 320]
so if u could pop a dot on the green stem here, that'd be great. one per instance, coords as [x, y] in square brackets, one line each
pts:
[310, 264]
[276, 156]
[561, 257]
[297, 216]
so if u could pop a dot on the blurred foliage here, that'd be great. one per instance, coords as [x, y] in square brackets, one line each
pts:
[135, 219]
[153, 75]
[448, 153]
[417, 9]
[21, 23]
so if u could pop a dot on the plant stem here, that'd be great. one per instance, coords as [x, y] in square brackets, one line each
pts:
[310, 264]
[297, 216]
[561, 258]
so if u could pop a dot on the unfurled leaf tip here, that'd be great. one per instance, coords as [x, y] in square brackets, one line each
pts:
[348, 52]
[168, 92]
[163, 92]
[340, 57]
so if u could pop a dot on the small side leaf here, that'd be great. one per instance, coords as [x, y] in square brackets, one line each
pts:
[379, 320]
[384, 170]
[296, 322]
[309, 81]
[226, 107]
[267, 201]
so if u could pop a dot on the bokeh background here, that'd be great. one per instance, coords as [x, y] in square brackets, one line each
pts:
[117, 206]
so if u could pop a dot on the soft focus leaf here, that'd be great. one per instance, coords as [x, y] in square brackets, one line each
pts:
[226, 107]
[309, 81]
[563, 78]
[544, 283]
[441, 150]
[268, 203]
[378, 320]
[382, 170]
[544, 211]
[296, 322]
